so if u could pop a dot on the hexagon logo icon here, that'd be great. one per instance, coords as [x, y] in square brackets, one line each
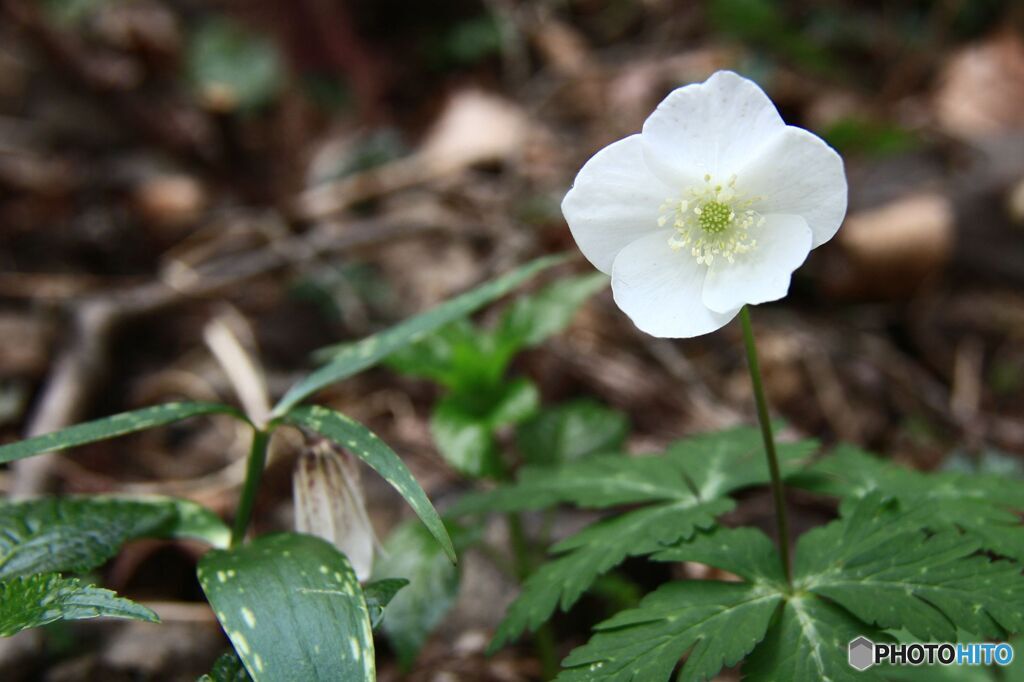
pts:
[862, 653]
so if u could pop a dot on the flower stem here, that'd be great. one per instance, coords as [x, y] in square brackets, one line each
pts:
[781, 517]
[253, 475]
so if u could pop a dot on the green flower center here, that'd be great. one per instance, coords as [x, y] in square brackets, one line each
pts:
[715, 217]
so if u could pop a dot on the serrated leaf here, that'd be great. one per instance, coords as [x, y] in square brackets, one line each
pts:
[747, 552]
[110, 427]
[464, 427]
[709, 466]
[293, 609]
[378, 595]
[367, 446]
[411, 553]
[227, 668]
[716, 622]
[880, 564]
[233, 67]
[984, 505]
[347, 359]
[31, 601]
[560, 582]
[721, 462]
[80, 533]
[809, 642]
[571, 431]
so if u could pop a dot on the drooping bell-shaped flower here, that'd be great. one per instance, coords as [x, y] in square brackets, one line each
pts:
[712, 206]
[329, 503]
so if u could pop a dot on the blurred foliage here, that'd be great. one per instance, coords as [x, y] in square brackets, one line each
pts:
[233, 68]
[871, 138]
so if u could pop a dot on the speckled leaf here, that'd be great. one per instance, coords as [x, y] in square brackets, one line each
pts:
[31, 601]
[110, 427]
[293, 609]
[80, 533]
[347, 359]
[365, 445]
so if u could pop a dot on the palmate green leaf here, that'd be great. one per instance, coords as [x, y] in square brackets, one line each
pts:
[879, 564]
[710, 465]
[227, 668]
[293, 609]
[367, 446]
[559, 583]
[80, 533]
[716, 622]
[31, 601]
[984, 505]
[410, 553]
[464, 427]
[110, 427]
[347, 359]
[809, 641]
[747, 552]
[571, 431]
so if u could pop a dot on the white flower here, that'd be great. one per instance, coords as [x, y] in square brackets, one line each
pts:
[712, 206]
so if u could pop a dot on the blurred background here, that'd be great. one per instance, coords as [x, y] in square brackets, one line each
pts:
[310, 171]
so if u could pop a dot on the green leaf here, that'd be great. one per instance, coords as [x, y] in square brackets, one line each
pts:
[347, 359]
[710, 466]
[80, 533]
[809, 642]
[233, 67]
[716, 622]
[31, 601]
[367, 446]
[411, 553]
[293, 609]
[379, 594]
[110, 427]
[464, 428]
[984, 505]
[747, 552]
[880, 564]
[721, 462]
[572, 431]
[227, 668]
[530, 320]
[560, 582]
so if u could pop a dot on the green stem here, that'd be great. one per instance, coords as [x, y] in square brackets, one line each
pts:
[253, 475]
[781, 518]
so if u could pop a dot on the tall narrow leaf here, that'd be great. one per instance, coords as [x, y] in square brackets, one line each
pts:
[367, 446]
[347, 359]
[110, 427]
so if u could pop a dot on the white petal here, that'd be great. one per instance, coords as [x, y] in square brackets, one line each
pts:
[710, 127]
[797, 173]
[763, 274]
[614, 201]
[660, 289]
